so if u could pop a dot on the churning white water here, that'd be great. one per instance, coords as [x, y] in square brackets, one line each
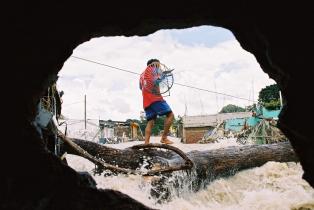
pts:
[272, 186]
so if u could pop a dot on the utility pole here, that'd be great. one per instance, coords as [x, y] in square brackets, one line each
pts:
[85, 110]
[280, 97]
[186, 108]
[253, 90]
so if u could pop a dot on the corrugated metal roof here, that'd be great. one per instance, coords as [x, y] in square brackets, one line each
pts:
[211, 120]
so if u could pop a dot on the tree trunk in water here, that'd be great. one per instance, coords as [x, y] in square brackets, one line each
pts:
[208, 165]
[128, 159]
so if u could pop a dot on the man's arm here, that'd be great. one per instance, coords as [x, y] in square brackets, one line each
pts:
[159, 76]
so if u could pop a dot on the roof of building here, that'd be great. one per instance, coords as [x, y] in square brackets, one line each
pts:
[211, 120]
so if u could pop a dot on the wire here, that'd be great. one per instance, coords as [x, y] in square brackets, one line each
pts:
[188, 86]
[73, 103]
[105, 65]
[183, 85]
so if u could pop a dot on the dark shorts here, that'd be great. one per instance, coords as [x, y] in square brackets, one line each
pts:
[158, 108]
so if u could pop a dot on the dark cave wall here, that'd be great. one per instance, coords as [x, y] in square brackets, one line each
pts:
[282, 41]
[41, 36]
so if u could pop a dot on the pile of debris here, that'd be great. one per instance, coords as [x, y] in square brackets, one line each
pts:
[265, 132]
[214, 135]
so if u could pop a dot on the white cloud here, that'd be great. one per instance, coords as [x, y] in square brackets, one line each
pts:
[114, 94]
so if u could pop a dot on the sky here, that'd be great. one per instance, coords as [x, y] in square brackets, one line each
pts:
[205, 57]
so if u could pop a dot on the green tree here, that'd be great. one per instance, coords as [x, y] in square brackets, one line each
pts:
[177, 122]
[251, 108]
[231, 108]
[159, 125]
[269, 97]
[133, 120]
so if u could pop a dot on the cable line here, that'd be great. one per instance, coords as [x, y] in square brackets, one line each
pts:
[72, 103]
[183, 85]
[105, 65]
[188, 86]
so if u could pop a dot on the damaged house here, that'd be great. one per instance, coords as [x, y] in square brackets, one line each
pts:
[118, 131]
[195, 127]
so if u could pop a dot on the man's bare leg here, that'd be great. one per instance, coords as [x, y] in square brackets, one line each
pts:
[148, 130]
[167, 124]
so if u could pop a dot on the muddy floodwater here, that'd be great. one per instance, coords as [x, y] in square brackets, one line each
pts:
[272, 186]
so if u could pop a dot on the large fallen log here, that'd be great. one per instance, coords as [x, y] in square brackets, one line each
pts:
[99, 154]
[223, 162]
[213, 164]
[208, 165]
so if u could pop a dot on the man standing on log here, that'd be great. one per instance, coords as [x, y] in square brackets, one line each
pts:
[153, 102]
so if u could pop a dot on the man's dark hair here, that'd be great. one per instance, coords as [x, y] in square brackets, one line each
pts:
[152, 61]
